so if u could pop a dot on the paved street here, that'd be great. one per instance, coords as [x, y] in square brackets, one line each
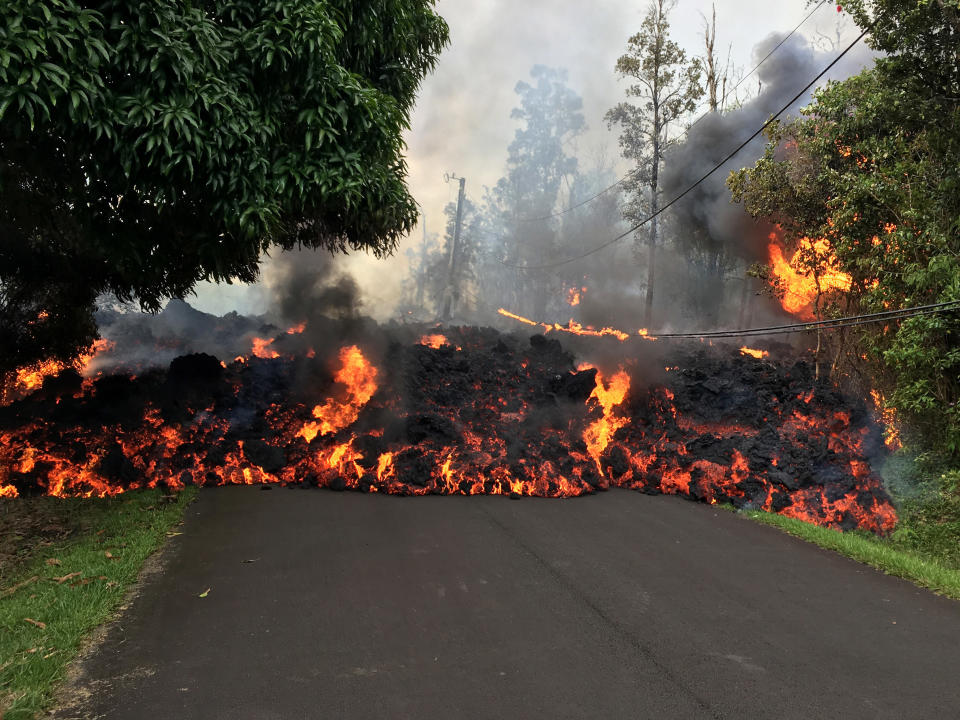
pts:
[326, 605]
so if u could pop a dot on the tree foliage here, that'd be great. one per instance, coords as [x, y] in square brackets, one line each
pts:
[145, 146]
[874, 166]
[540, 166]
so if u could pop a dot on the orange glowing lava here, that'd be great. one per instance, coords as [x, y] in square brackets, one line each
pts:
[27, 379]
[435, 341]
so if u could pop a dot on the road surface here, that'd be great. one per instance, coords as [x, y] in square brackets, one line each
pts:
[620, 605]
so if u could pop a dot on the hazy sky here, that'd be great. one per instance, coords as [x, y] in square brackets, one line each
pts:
[462, 120]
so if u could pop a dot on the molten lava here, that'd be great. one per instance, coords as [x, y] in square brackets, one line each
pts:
[434, 341]
[500, 416]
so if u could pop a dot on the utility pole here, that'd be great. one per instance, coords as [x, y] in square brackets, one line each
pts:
[451, 294]
[421, 274]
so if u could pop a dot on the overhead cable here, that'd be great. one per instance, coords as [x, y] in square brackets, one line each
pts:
[690, 189]
[723, 101]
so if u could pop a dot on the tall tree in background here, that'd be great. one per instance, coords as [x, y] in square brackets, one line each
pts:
[710, 59]
[667, 85]
[539, 166]
[147, 145]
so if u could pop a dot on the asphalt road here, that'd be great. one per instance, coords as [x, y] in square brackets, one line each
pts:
[326, 605]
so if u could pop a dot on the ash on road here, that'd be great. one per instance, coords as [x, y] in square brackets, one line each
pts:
[326, 605]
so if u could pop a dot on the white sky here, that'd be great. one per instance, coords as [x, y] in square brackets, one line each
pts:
[462, 120]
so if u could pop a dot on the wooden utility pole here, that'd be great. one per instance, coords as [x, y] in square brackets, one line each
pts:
[452, 292]
[422, 272]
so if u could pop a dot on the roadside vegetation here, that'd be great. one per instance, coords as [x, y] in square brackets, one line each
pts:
[925, 547]
[65, 567]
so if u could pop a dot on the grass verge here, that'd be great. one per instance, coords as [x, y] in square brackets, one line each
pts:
[881, 553]
[65, 566]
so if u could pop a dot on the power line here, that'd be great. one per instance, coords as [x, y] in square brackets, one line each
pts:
[851, 321]
[690, 189]
[723, 100]
[832, 324]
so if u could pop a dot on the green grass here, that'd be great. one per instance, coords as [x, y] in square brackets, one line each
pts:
[925, 547]
[66, 565]
[881, 553]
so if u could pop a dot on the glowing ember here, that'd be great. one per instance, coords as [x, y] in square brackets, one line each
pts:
[800, 290]
[758, 354]
[434, 341]
[575, 295]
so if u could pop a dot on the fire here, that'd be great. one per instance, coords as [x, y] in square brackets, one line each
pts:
[297, 329]
[608, 395]
[501, 418]
[518, 318]
[888, 416]
[800, 290]
[758, 354]
[262, 349]
[435, 341]
[29, 378]
[359, 379]
[575, 295]
[575, 328]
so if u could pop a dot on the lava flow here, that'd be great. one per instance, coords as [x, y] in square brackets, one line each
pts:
[469, 412]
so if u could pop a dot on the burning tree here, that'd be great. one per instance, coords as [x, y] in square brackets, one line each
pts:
[870, 172]
[148, 145]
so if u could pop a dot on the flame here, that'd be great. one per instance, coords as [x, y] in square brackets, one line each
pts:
[359, 378]
[575, 295]
[491, 443]
[31, 377]
[758, 354]
[608, 395]
[518, 318]
[575, 328]
[297, 329]
[888, 416]
[262, 349]
[435, 341]
[800, 291]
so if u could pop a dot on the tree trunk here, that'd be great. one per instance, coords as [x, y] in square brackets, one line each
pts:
[709, 37]
[654, 208]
